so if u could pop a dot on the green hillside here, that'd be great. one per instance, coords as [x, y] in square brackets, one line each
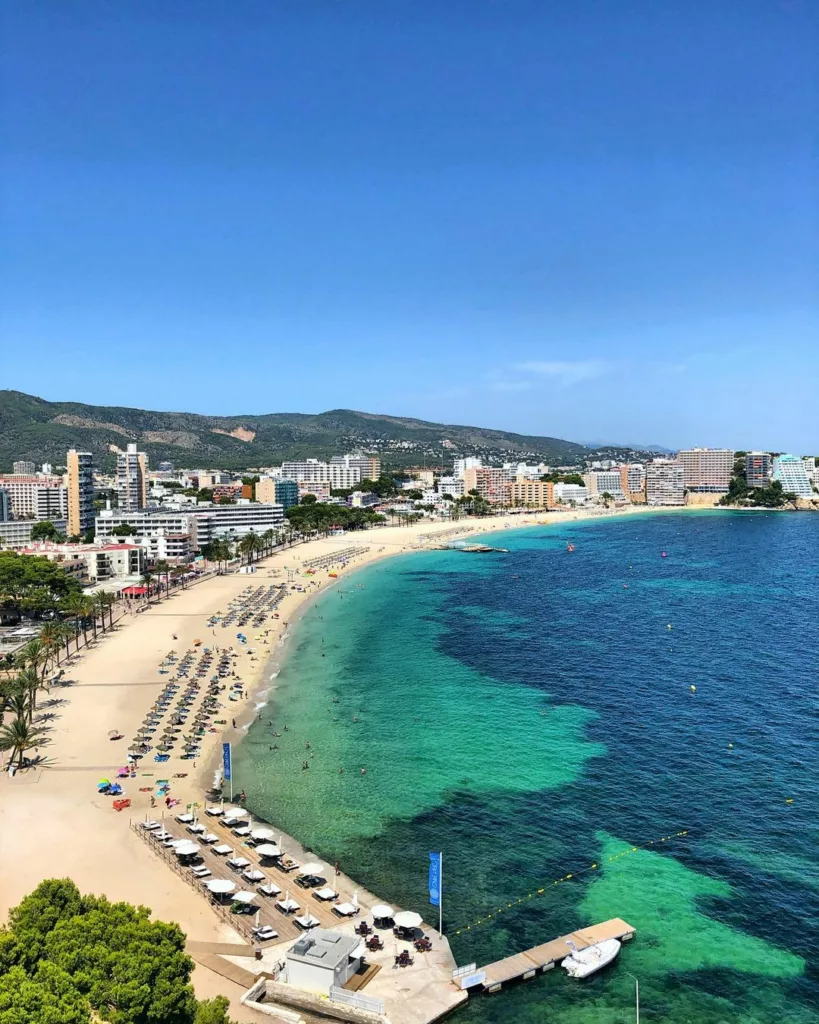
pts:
[31, 428]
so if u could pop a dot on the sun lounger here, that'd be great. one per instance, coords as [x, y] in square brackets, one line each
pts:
[345, 910]
[150, 825]
[210, 838]
[196, 829]
[238, 863]
[271, 889]
[223, 849]
[265, 933]
[214, 811]
[241, 831]
[325, 894]
[184, 819]
[253, 875]
[201, 872]
[307, 921]
[287, 906]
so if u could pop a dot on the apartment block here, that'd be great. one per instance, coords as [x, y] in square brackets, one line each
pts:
[530, 493]
[80, 483]
[23, 468]
[566, 493]
[462, 465]
[790, 472]
[16, 533]
[132, 479]
[308, 470]
[707, 470]
[488, 481]
[5, 506]
[603, 481]
[633, 481]
[453, 485]
[35, 496]
[665, 483]
[758, 469]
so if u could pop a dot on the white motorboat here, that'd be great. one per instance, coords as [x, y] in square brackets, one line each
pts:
[583, 962]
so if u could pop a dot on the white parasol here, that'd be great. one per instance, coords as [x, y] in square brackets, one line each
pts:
[381, 911]
[312, 868]
[221, 885]
[261, 835]
[268, 850]
[407, 919]
[187, 849]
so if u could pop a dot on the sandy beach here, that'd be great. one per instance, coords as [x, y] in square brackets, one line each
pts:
[52, 820]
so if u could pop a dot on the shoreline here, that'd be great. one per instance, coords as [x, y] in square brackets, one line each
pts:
[113, 683]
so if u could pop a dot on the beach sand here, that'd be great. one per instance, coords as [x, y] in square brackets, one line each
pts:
[52, 821]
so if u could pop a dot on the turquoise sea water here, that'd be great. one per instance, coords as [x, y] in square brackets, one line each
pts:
[531, 714]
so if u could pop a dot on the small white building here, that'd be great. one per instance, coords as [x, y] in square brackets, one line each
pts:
[321, 959]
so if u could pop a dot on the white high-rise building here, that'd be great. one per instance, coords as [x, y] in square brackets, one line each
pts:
[132, 479]
[665, 483]
[462, 465]
[790, 472]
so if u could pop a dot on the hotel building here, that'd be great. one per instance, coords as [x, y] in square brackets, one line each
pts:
[462, 465]
[790, 472]
[80, 483]
[23, 468]
[565, 493]
[602, 481]
[633, 481]
[665, 483]
[706, 470]
[36, 497]
[132, 479]
[202, 524]
[530, 493]
[488, 481]
[758, 467]
[5, 506]
[16, 533]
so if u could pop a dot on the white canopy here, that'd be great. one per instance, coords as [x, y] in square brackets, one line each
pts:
[312, 868]
[187, 849]
[382, 911]
[221, 885]
[262, 834]
[235, 812]
[253, 875]
[327, 893]
[407, 919]
[347, 909]
[268, 850]
[244, 896]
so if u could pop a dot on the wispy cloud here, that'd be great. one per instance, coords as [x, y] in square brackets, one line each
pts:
[564, 371]
[511, 385]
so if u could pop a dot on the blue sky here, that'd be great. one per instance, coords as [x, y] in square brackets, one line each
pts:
[595, 219]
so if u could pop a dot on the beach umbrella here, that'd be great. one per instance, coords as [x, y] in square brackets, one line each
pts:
[381, 912]
[114, 734]
[312, 868]
[244, 897]
[221, 886]
[407, 919]
[355, 898]
[262, 834]
[187, 848]
[268, 849]
[104, 782]
[235, 812]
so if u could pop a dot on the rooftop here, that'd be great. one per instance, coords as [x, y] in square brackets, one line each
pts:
[323, 948]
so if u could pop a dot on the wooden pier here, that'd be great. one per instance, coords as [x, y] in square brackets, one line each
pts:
[543, 958]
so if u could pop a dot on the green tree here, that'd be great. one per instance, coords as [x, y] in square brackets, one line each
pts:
[18, 736]
[89, 959]
[308, 499]
[31, 584]
[45, 530]
[607, 498]
[123, 530]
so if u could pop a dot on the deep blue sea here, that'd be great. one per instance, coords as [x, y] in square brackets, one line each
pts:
[546, 713]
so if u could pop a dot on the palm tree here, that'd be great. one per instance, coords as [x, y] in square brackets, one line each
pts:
[607, 498]
[147, 579]
[18, 736]
[30, 682]
[270, 538]
[161, 568]
[13, 698]
[81, 609]
[34, 655]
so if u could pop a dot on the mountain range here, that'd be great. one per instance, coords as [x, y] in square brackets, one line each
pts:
[40, 431]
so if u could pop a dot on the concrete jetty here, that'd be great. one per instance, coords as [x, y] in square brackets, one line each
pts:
[542, 958]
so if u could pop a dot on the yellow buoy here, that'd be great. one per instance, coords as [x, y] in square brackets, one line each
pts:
[669, 625]
[789, 800]
[693, 689]
[730, 746]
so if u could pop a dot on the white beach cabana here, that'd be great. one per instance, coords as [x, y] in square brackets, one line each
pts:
[223, 849]
[253, 875]
[325, 894]
[238, 862]
[345, 910]
[187, 848]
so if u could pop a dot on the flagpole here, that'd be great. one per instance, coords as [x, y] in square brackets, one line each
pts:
[441, 895]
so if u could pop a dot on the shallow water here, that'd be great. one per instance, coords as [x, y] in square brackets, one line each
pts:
[531, 714]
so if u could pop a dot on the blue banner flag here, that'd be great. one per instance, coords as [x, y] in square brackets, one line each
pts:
[435, 879]
[227, 760]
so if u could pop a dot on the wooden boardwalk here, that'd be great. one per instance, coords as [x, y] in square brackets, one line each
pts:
[543, 958]
[269, 914]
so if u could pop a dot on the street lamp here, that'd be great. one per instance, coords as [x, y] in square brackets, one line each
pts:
[636, 994]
